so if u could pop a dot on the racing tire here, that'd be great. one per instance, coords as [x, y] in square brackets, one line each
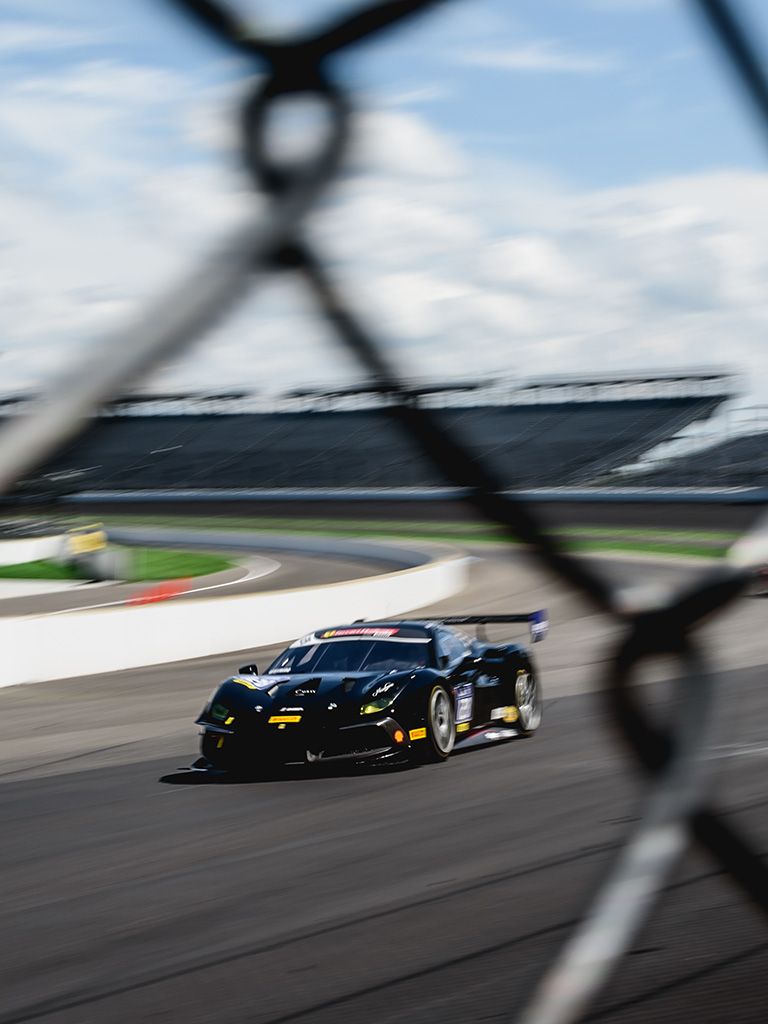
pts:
[441, 729]
[529, 700]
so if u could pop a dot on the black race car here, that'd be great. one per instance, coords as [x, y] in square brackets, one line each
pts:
[376, 691]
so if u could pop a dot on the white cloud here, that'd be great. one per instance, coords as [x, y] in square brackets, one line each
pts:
[427, 92]
[28, 37]
[108, 82]
[541, 56]
[460, 267]
[626, 6]
[91, 126]
[401, 143]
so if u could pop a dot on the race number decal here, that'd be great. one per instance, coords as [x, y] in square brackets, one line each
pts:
[464, 697]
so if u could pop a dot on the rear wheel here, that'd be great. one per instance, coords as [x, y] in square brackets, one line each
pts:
[528, 698]
[441, 729]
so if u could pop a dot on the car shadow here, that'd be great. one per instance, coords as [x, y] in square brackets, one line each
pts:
[286, 773]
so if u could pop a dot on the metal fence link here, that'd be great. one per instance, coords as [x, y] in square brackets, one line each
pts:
[675, 810]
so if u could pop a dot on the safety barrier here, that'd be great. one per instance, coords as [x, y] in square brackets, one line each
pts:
[29, 549]
[78, 643]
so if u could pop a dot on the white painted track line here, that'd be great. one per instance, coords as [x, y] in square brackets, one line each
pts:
[259, 567]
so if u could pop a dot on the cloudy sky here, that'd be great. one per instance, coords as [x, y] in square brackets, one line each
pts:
[535, 187]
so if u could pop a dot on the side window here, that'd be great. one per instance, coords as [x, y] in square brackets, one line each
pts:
[455, 647]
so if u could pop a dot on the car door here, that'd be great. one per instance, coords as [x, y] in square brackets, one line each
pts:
[461, 673]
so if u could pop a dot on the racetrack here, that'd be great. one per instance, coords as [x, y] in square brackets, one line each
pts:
[264, 564]
[274, 571]
[136, 892]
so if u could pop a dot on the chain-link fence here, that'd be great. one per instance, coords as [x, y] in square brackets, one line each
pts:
[676, 810]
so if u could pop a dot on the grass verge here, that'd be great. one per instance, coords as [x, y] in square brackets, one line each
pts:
[42, 570]
[150, 564]
[146, 565]
[157, 564]
[633, 540]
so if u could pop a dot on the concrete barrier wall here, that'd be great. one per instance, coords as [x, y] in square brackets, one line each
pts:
[78, 643]
[29, 549]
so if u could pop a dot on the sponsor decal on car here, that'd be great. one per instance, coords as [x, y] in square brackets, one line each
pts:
[464, 700]
[284, 719]
[539, 625]
[245, 682]
[382, 689]
[417, 734]
[507, 714]
[375, 631]
[462, 727]
[256, 682]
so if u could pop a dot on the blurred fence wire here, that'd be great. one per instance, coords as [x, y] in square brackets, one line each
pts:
[676, 809]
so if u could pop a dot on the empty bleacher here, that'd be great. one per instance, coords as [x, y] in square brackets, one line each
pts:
[738, 462]
[544, 444]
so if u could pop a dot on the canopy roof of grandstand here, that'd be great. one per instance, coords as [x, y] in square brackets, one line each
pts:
[711, 382]
[192, 397]
[727, 378]
[662, 384]
[383, 389]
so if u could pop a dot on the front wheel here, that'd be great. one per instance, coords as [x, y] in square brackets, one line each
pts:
[528, 698]
[441, 729]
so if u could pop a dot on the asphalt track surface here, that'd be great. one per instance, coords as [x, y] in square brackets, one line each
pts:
[133, 891]
[293, 571]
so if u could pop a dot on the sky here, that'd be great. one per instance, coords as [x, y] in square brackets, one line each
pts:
[549, 186]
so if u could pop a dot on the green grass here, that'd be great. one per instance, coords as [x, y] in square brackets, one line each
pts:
[408, 527]
[147, 565]
[42, 570]
[678, 550]
[157, 565]
[651, 533]
[160, 564]
[640, 540]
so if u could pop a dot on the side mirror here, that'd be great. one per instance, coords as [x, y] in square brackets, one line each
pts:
[249, 670]
[442, 661]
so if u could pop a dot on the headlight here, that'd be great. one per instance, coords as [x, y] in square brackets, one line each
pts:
[380, 704]
[209, 702]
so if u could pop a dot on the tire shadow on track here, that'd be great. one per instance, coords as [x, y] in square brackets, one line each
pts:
[212, 777]
[200, 776]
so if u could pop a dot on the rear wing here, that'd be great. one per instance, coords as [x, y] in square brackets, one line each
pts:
[538, 621]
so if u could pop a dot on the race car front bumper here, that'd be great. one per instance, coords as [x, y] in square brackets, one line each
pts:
[363, 741]
[383, 739]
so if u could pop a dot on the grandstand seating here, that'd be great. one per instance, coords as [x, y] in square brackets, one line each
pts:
[738, 462]
[547, 444]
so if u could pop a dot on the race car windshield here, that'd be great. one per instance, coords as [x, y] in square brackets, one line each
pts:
[352, 656]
